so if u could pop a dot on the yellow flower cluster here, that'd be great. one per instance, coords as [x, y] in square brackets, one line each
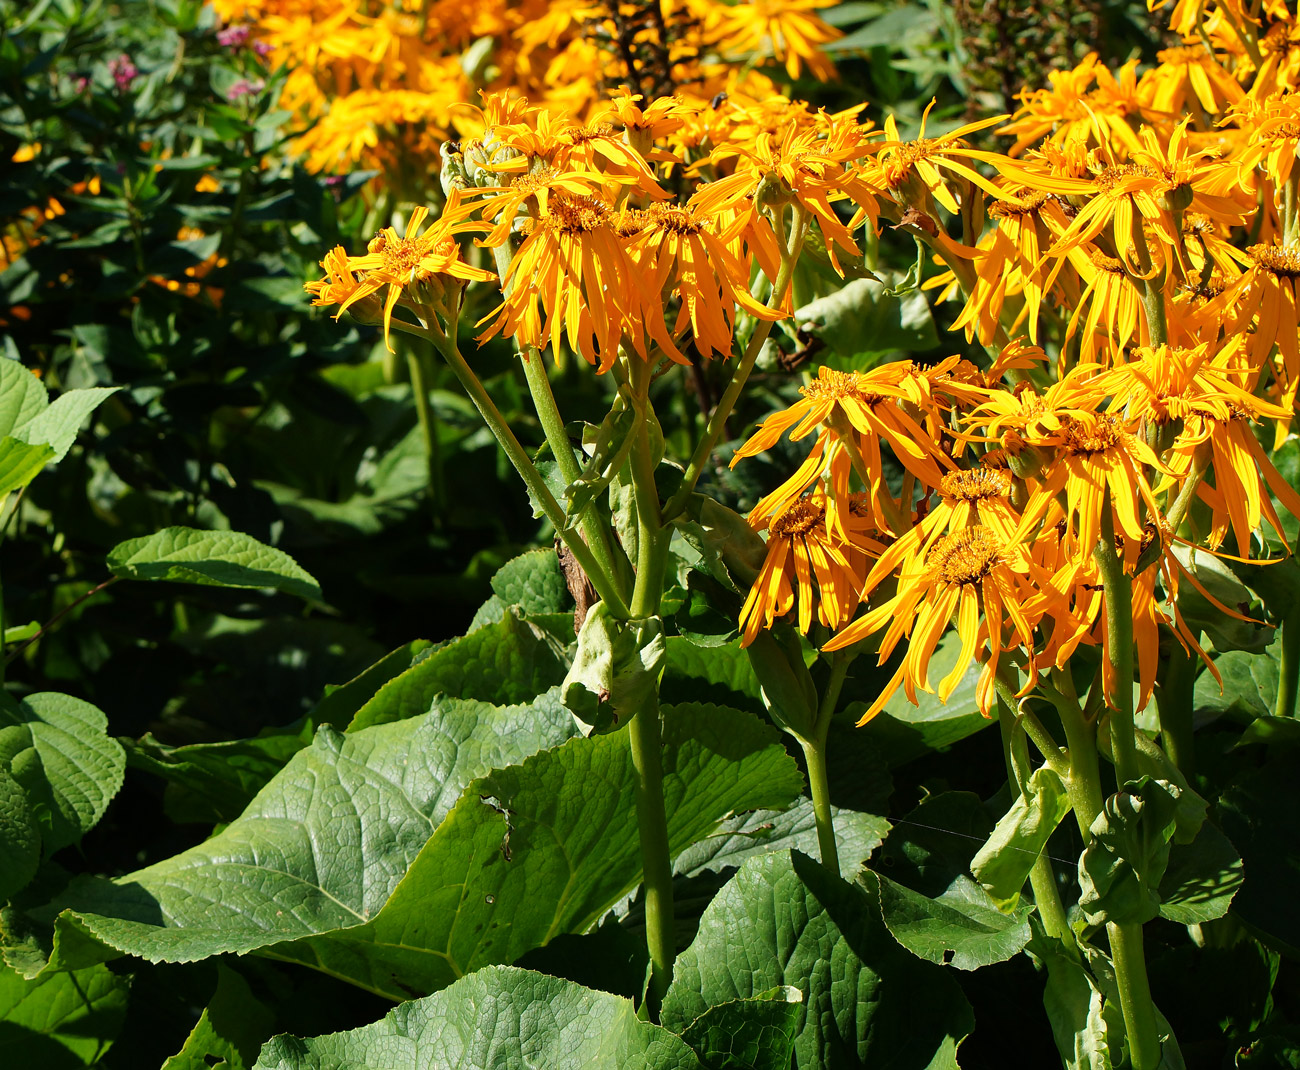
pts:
[1129, 266]
[384, 85]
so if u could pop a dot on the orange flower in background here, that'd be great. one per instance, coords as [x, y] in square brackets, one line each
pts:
[802, 164]
[1192, 76]
[788, 30]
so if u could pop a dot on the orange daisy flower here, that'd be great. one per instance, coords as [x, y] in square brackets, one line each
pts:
[415, 263]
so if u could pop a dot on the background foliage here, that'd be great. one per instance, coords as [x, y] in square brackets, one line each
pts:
[389, 680]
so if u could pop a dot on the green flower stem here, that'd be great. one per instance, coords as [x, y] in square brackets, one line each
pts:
[814, 752]
[1153, 297]
[1047, 896]
[653, 540]
[713, 431]
[1153, 304]
[656, 862]
[594, 528]
[418, 370]
[1135, 995]
[1053, 755]
[1084, 780]
[1126, 939]
[1174, 704]
[1118, 592]
[1287, 681]
[518, 456]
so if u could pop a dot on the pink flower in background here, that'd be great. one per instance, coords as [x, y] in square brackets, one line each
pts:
[233, 36]
[244, 88]
[124, 72]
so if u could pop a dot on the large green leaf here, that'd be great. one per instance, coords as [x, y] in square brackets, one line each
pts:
[22, 397]
[333, 864]
[1002, 865]
[20, 832]
[549, 846]
[710, 673]
[1249, 684]
[229, 1032]
[59, 1020]
[784, 920]
[763, 831]
[963, 927]
[1201, 879]
[323, 844]
[212, 558]
[20, 463]
[59, 751]
[57, 425]
[748, 1034]
[499, 1017]
[506, 662]
[533, 582]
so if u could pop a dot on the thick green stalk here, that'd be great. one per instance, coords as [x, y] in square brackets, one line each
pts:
[592, 524]
[1118, 593]
[653, 540]
[656, 861]
[1047, 897]
[1153, 304]
[1287, 682]
[518, 456]
[1084, 780]
[1126, 939]
[713, 431]
[1135, 995]
[814, 752]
